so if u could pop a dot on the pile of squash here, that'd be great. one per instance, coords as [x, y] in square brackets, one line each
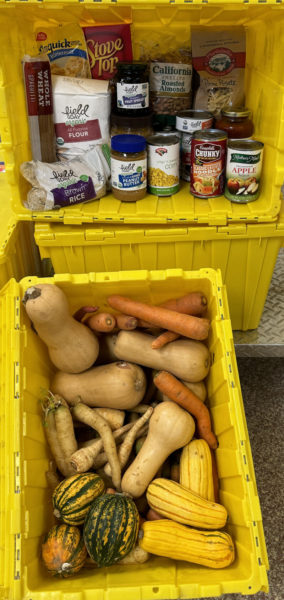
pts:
[133, 470]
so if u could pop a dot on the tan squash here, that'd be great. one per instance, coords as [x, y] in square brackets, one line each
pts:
[72, 347]
[170, 428]
[213, 549]
[116, 385]
[196, 469]
[174, 501]
[187, 359]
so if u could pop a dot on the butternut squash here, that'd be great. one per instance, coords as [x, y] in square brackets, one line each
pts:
[176, 502]
[116, 385]
[196, 469]
[170, 428]
[213, 549]
[187, 359]
[72, 346]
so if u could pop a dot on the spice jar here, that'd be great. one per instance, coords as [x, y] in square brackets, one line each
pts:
[128, 167]
[132, 88]
[236, 122]
[132, 125]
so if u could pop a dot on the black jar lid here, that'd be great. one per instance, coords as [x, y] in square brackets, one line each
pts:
[131, 122]
[134, 65]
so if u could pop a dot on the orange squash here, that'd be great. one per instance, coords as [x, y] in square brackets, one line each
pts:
[63, 550]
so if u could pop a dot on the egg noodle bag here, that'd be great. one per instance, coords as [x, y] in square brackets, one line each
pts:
[66, 49]
[67, 182]
[219, 58]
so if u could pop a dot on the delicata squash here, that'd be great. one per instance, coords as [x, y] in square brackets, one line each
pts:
[175, 502]
[72, 346]
[213, 549]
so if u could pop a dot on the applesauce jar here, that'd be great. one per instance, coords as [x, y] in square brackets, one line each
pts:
[128, 167]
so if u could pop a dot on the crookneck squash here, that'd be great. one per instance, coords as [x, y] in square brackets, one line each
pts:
[73, 497]
[63, 550]
[111, 528]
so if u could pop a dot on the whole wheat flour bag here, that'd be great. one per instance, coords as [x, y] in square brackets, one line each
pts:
[81, 114]
[219, 58]
[66, 49]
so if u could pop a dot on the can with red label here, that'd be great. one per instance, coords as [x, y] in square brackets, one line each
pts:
[208, 163]
[187, 122]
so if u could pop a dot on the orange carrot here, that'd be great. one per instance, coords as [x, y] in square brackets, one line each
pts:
[83, 311]
[126, 322]
[194, 303]
[153, 515]
[165, 338]
[215, 476]
[179, 393]
[103, 322]
[186, 325]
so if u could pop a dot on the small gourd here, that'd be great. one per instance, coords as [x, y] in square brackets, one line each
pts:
[196, 469]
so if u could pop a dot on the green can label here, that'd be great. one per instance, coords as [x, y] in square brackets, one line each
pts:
[243, 173]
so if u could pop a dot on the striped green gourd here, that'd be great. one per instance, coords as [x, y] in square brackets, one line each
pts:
[111, 528]
[73, 497]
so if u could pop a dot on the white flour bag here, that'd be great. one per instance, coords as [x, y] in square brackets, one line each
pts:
[81, 114]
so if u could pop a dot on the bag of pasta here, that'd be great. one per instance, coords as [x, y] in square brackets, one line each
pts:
[218, 59]
[170, 73]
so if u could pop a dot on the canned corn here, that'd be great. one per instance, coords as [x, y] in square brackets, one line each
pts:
[163, 164]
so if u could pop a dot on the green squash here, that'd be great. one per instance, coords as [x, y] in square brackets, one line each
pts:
[111, 528]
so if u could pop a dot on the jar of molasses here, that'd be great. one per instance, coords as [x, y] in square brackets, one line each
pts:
[132, 89]
[236, 122]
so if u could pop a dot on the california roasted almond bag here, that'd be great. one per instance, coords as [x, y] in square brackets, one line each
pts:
[219, 58]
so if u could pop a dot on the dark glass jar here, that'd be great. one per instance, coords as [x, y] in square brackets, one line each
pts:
[236, 122]
[132, 89]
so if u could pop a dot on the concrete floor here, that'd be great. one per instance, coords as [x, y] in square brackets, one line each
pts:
[262, 381]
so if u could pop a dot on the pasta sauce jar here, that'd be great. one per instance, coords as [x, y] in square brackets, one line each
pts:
[128, 167]
[236, 122]
[132, 88]
[187, 122]
[163, 164]
[208, 163]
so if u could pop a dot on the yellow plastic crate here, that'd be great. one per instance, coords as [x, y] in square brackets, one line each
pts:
[18, 253]
[245, 254]
[26, 510]
[263, 21]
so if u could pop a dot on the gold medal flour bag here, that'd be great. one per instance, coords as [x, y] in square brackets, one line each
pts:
[219, 58]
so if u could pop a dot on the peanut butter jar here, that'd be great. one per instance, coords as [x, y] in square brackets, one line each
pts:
[128, 167]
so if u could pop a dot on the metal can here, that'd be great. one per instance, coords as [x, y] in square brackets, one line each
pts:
[187, 122]
[243, 170]
[208, 162]
[163, 164]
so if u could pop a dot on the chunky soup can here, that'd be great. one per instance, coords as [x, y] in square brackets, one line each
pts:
[243, 170]
[208, 163]
[187, 122]
[163, 164]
